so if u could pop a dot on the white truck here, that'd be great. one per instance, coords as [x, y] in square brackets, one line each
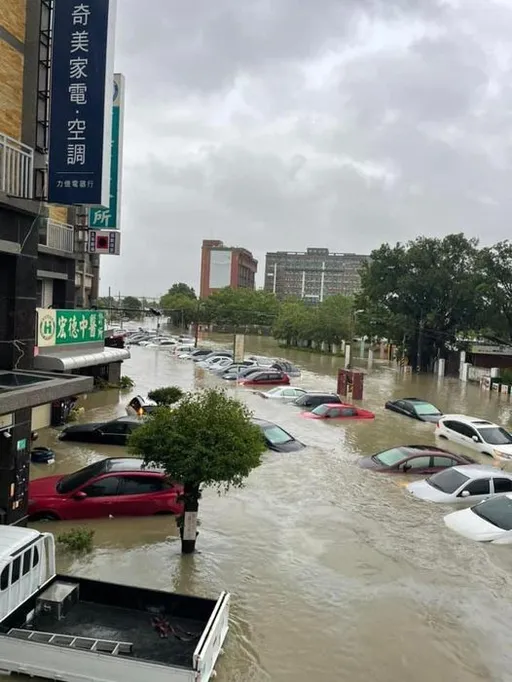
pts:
[62, 627]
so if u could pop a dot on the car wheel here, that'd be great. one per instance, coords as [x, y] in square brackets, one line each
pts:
[44, 516]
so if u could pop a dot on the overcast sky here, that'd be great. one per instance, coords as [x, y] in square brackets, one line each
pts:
[283, 124]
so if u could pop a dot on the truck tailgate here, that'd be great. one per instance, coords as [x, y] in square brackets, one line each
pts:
[210, 644]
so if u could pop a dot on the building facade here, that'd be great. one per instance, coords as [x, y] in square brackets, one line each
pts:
[225, 266]
[312, 275]
[48, 351]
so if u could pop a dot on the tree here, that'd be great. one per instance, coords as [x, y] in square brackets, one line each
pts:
[167, 395]
[421, 294]
[495, 292]
[334, 320]
[241, 307]
[207, 439]
[182, 289]
[292, 322]
[132, 307]
[179, 308]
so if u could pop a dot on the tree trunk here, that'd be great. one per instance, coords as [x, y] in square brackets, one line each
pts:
[188, 526]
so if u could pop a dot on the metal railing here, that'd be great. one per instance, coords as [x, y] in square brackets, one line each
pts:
[16, 168]
[58, 236]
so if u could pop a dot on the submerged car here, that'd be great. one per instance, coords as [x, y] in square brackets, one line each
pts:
[487, 521]
[267, 376]
[276, 438]
[140, 405]
[413, 459]
[236, 374]
[312, 399]
[469, 483]
[115, 432]
[478, 434]
[116, 486]
[338, 411]
[287, 368]
[415, 408]
[282, 393]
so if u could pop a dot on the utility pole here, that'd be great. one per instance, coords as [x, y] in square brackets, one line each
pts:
[420, 344]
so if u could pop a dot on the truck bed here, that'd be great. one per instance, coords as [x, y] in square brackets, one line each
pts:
[120, 613]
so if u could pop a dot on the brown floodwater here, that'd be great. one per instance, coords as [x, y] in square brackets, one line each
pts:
[336, 574]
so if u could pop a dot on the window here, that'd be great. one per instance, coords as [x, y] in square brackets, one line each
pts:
[333, 412]
[502, 485]
[141, 485]
[16, 569]
[276, 435]
[80, 477]
[39, 294]
[453, 426]
[347, 412]
[443, 461]
[289, 392]
[4, 578]
[496, 436]
[448, 481]
[417, 463]
[322, 410]
[135, 403]
[426, 408]
[104, 487]
[26, 562]
[480, 486]
[390, 457]
[497, 511]
[114, 427]
[35, 557]
[467, 431]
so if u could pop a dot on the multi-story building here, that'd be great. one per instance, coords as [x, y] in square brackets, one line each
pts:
[313, 275]
[49, 352]
[225, 266]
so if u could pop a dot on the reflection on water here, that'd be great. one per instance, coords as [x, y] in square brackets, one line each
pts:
[336, 573]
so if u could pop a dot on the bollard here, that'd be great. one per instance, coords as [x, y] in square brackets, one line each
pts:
[441, 367]
[348, 354]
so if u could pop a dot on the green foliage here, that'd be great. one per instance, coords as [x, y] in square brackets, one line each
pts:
[426, 284]
[181, 309]
[181, 289]
[77, 539]
[331, 321]
[495, 291]
[167, 395]
[208, 439]
[126, 382]
[240, 307]
[131, 307]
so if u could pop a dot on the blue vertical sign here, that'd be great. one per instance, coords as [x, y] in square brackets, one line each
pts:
[81, 101]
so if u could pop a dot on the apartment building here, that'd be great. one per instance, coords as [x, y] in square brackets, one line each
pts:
[312, 275]
[225, 266]
[49, 351]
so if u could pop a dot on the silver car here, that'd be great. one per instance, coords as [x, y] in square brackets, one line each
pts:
[468, 483]
[282, 393]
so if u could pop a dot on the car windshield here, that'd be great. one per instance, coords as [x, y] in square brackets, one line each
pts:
[321, 410]
[78, 478]
[497, 511]
[448, 481]
[276, 435]
[495, 435]
[426, 408]
[275, 390]
[390, 457]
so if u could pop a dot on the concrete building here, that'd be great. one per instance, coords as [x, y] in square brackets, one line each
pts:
[312, 275]
[47, 355]
[225, 266]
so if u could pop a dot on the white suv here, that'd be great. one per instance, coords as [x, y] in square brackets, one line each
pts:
[477, 434]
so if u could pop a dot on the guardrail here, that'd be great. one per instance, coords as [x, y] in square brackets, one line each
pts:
[16, 168]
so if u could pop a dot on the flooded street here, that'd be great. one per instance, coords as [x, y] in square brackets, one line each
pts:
[335, 572]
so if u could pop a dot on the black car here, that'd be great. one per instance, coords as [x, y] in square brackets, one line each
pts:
[415, 408]
[287, 368]
[115, 432]
[276, 438]
[313, 399]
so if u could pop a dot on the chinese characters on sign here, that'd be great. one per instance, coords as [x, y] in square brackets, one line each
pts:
[63, 327]
[80, 113]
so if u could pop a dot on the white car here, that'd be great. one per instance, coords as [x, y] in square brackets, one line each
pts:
[466, 483]
[478, 434]
[487, 521]
[282, 393]
[215, 362]
[140, 405]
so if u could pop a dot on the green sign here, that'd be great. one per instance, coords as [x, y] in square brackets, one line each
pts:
[79, 326]
[66, 327]
[100, 217]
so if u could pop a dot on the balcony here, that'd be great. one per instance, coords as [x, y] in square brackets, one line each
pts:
[57, 236]
[16, 168]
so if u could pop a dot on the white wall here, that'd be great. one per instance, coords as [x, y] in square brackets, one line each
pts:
[41, 416]
[220, 268]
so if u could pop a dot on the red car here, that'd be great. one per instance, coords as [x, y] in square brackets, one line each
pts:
[266, 377]
[338, 411]
[117, 486]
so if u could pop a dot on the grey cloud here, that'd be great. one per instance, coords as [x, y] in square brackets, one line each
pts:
[233, 143]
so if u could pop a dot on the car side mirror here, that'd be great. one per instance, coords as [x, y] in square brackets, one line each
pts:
[465, 493]
[475, 439]
[80, 495]
[406, 467]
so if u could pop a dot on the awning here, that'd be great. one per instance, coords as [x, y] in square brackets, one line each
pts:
[66, 362]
